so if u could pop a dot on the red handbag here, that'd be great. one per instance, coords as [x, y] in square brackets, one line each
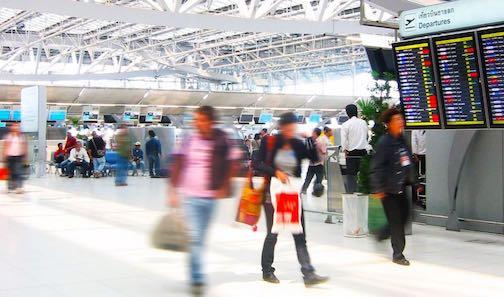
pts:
[4, 173]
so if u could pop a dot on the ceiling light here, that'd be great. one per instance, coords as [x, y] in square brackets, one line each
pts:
[146, 94]
[81, 92]
[206, 96]
[260, 98]
[311, 99]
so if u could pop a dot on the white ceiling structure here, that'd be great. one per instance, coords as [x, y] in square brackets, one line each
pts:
[211, 45]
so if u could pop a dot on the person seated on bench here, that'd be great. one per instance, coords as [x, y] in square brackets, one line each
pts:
[78, 157]
[137, 157]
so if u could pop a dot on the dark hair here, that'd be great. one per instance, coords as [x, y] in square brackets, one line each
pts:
[351, 110]
[265, 130]
[326, 129]
[287, 118]
[151, 133]
[317, 131]
[60, 143]
[257, 136]
[208, 111]
[388, 114]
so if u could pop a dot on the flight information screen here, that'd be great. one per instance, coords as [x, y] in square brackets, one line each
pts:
[415, 77]
[492, 56]
[460, 88]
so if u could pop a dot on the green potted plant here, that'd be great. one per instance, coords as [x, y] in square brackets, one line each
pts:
[371, 110]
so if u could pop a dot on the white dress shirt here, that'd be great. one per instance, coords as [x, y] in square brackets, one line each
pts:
[81, 154]
[354, 135]
[418, 142]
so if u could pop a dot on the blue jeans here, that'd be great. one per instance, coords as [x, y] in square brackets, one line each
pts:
[121, 170]
[64, 166]
[199, 212]
[99, 164]
[153, 165]
[138, 165]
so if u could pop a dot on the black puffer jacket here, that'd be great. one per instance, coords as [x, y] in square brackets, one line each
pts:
[303, 150]
[392, 166]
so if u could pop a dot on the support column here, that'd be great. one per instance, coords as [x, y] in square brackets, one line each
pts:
[33, 121]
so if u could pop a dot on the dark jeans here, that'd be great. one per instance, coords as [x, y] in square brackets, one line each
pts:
[317, 170]
[16, 166]
[353, 161]
[397, 210]
[83, 165]
[268, 252]
[154, 165]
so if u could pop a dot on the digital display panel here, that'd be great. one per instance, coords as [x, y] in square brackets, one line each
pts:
[460, 88]
[415, 77]
[16, 115]
[265, 118]
[246, 118]
[492, 57]
[5, 114]
[57, 115]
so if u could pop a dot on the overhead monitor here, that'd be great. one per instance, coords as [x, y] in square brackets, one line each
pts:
[57, 113]
[492, 58]
[459, 79]
[246, 118]
[165, 120]
[5, 114]
[315, 118]
[153, 114]
[16, 115]
[381, 60]
[300, 118]
[109, 119]
[141, 119]
[265, 117]
[131, 113]
[90, 113]
[416, 82]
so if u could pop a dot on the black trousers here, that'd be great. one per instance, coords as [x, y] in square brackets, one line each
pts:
[16, 168]
[268, 252]
[353, 161]
[397, 210]
[317, 170]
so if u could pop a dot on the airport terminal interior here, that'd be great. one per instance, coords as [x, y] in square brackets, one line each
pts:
[187, 147]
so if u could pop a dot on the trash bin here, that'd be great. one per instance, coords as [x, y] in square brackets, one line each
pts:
[355, 215]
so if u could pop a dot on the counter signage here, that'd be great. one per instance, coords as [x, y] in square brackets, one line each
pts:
[450, 16]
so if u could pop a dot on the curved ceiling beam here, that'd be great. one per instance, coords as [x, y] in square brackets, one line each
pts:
[182, 20]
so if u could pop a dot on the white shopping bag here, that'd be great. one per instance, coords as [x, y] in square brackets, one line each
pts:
[287, 205]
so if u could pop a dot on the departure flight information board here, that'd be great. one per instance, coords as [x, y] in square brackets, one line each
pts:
[492, 57]
[460, 88]
[415, 78]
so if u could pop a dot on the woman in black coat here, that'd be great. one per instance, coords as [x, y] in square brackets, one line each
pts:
[280, 156]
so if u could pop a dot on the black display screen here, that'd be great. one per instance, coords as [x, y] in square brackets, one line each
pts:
[458, 74]
[415, 77]
[492, 57]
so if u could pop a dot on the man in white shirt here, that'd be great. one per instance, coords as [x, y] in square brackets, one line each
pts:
[78, 157]
[354, 142]
[419, 149]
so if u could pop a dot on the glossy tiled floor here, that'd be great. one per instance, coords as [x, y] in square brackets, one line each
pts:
[85, 237]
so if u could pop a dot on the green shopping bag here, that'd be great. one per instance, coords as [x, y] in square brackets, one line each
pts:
[376, 216]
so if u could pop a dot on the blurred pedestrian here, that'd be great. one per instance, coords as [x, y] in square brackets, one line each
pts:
[328, 132]
[316, 168]
[123, 142]
[15, 154]
[392, 169]
[354, 142]
[59, 155]
[284, 161]
[153, 152]
[203, 166]
[97, 151]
